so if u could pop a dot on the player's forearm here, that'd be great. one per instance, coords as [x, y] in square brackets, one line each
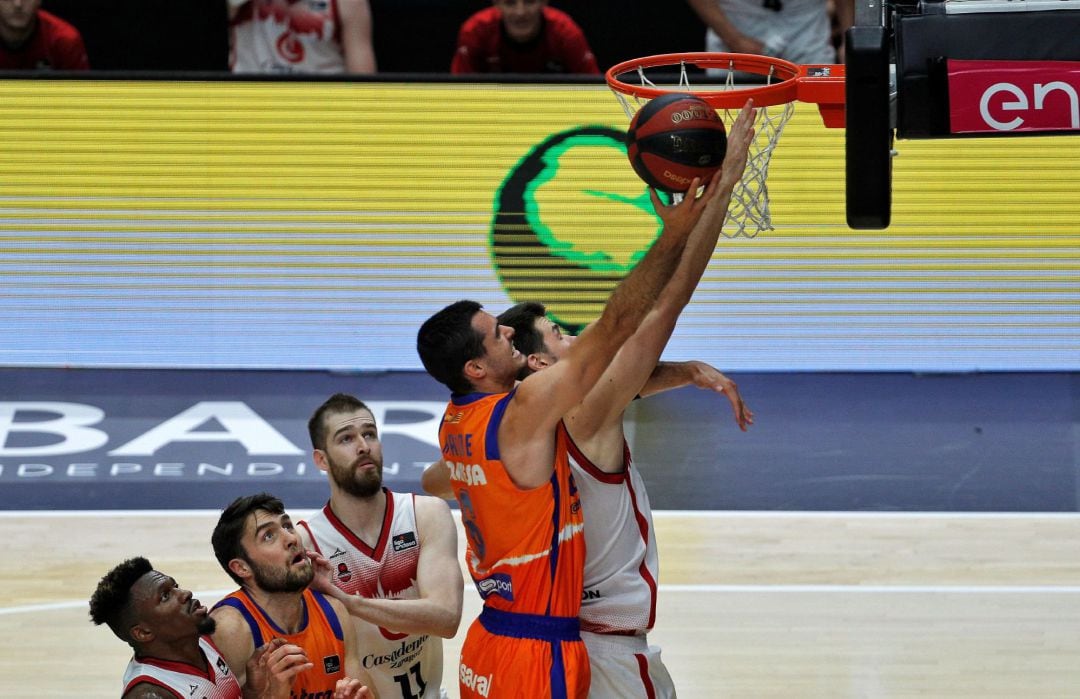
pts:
[710, 13]
[414, 616]
[699, 250]
[635, 296]
[666, 376]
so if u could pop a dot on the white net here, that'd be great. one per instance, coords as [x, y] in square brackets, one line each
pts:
[748, 213]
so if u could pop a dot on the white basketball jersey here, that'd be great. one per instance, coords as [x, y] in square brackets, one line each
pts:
[279, 36]
[218, 682]
[797, 31]
[621, 563]
[401, 665]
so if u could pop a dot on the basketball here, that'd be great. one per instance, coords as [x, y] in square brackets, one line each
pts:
[675, 138]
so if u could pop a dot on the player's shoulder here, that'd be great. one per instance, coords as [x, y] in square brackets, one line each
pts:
[430, 505]
[228, 621]
[304, 525]
[232, 635]
[337, 605]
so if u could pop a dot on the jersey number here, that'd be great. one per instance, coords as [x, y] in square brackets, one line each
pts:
[406, 683]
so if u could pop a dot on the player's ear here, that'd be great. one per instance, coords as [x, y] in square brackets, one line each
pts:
[537, 361]
[474, 370]
[319, 456]
[141, 634]
[240, 568]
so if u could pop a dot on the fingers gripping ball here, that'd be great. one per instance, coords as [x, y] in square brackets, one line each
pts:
[675, 138]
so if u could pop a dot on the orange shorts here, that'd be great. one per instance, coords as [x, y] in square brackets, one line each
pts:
[508, 655]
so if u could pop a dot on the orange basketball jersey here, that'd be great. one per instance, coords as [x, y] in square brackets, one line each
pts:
[525, 552]
[321, 638]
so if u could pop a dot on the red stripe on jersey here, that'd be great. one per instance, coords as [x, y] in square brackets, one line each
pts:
[646, 681]
[643, 527]
[146, 679]
[592, 469]
[376, 552]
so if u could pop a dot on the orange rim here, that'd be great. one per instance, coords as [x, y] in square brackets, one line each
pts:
[821, 84]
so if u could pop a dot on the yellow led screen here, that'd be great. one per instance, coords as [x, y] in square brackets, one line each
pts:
[316, 225]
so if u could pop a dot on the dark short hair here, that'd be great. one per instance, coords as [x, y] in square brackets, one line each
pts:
[447, 340]
[522, 318]
[111, 602]
[229, 531]
[337, 403]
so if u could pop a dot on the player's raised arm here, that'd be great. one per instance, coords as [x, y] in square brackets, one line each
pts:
[637, 359]
[544, 398]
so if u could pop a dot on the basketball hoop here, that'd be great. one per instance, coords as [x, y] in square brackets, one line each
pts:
[772, 83]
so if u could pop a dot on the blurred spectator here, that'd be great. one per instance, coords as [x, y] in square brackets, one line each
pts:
[799, 31]
[300, 36]
[33, 39]
[522, 36]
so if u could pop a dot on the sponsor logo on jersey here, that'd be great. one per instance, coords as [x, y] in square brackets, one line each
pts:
[331, 664]
[498, 584]
[337, 552]
[192, 688]
[590, 594]
[470, 474]
[404, 542]
[400, 656]
[481, 684]
[343, 572]
[222, 666]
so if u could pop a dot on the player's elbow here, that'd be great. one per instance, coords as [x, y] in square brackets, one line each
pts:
[448, 625]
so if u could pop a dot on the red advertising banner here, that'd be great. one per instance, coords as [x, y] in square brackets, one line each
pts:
[1013, 96]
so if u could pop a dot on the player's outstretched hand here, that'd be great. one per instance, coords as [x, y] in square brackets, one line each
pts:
[272, 668]
[680, 218]
[740, 136]
[710, 379]
[349, 688]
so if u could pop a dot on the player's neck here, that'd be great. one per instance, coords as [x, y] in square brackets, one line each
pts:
[286, 609]
[186, 651]
[363, 516]
[490, 384]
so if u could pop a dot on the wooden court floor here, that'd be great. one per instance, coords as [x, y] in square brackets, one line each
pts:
[751, 604]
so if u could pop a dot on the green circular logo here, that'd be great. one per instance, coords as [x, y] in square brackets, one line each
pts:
[571, 220]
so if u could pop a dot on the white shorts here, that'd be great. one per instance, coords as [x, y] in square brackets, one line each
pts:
[626, 667]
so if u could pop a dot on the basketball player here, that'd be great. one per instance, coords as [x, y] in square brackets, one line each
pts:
[168, 631]
[508, 453]
[621, 564]
[393, 556]
[300, 36]
[257, 545]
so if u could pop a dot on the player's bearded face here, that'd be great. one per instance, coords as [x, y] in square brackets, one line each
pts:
[360, 477]
[293, 578]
